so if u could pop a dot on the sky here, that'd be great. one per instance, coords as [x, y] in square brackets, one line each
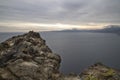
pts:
[48, 15]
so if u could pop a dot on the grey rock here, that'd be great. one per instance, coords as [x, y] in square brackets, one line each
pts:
[99, 71]
[27, 57]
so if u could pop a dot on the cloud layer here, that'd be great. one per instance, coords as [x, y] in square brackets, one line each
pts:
[74, 12]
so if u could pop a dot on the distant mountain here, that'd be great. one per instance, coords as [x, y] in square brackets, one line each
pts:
[106, 29]
[112, 29]
[109, 29]
[72, 30]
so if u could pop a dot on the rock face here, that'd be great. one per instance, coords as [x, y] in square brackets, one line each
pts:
[99, 71]
[27, 57]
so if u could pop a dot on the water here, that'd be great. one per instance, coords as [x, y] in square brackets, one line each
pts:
[80, 50]
[4, 36]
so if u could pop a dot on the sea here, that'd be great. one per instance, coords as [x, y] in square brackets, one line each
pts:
[79, 50]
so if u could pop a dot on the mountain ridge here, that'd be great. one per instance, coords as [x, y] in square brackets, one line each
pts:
[106, 29]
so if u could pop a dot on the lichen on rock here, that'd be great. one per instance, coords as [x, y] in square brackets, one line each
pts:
[27, 57]
[99, 71]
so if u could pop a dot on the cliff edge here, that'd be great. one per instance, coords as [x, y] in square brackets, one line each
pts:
[27, 57]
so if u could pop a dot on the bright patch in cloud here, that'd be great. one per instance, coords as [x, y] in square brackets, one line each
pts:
[26, 26]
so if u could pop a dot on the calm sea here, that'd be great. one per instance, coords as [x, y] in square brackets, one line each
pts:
[79, 50]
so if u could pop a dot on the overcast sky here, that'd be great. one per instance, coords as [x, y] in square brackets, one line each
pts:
[42, 15]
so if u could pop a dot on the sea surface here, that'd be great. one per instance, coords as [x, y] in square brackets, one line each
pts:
[79, 50]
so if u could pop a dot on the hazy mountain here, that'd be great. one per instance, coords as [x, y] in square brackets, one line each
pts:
[112, 28]
[106, 29]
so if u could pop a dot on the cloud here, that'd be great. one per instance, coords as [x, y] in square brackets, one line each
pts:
[23, 26]
[74, 12]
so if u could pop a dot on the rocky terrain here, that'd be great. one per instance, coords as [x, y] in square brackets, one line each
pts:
[27, 57]
[99, 71]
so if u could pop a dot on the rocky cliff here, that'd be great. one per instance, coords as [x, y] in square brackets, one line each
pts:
[27, 57]
[99, 71]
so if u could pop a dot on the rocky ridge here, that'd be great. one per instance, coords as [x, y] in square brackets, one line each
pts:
[100, 71]
[27, 57]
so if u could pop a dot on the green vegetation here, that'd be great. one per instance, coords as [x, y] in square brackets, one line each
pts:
[91, 77]
[109, 73]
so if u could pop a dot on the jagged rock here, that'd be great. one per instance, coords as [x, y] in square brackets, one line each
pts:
[99, 71]
[27, 57]
[69, 77]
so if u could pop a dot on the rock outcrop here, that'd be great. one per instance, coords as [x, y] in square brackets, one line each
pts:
[27, 57]
[99, 71]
